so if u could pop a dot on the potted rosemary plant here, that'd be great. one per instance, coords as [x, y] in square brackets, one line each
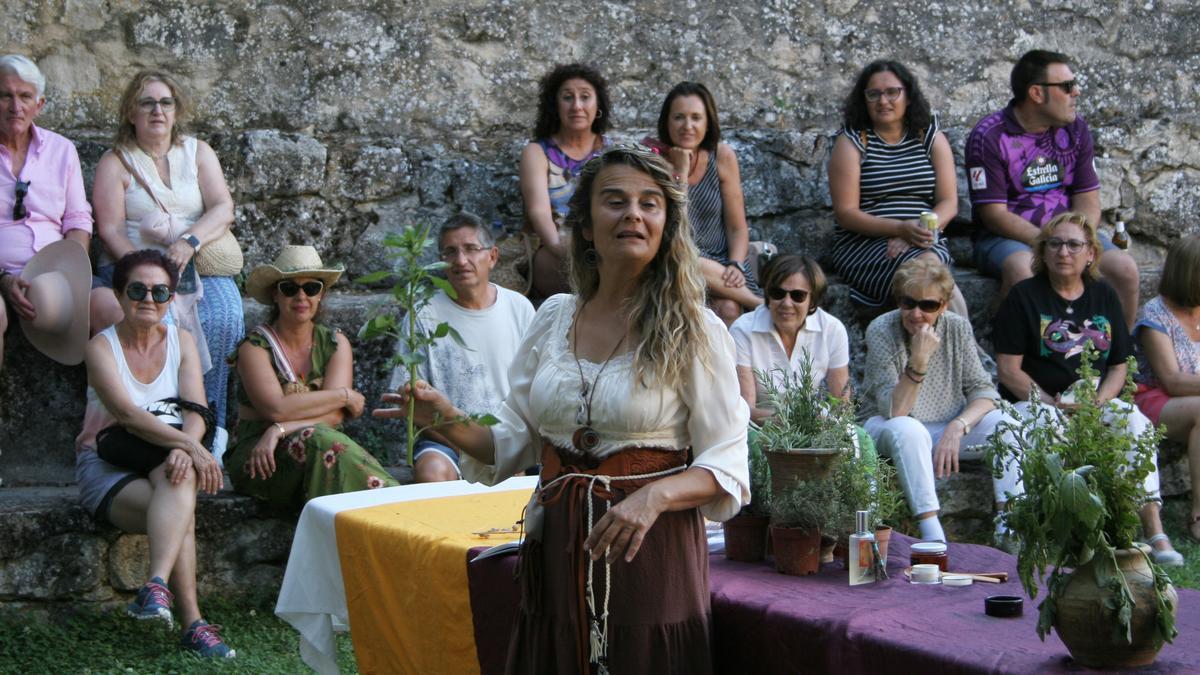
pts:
[746, 533]
[1083, 476]
[809, 431]
[797, 516]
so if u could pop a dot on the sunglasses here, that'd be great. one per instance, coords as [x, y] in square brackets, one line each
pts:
[311, 288]
[927, 306]
[22, 189]
[159, 293]
[798, 296]
[1068, 86]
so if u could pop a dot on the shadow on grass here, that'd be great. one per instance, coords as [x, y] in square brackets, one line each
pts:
[107, 641]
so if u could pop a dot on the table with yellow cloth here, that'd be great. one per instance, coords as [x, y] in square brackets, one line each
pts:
[391, 565]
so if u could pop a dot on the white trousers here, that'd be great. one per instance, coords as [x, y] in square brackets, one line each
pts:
[910, 442]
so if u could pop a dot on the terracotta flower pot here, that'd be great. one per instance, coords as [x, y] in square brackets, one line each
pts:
[789, 466]
[883, 534]
[797, 552]
[746, 537]
[1085, 625]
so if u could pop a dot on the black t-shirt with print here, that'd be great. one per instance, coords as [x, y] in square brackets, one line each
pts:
[1035, 323]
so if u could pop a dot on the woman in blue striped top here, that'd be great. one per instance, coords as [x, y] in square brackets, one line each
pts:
[889, 164]
[689, 136]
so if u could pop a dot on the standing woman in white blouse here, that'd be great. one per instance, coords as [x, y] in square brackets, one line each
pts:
[603, 390]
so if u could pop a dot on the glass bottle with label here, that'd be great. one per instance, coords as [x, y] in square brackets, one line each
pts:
[1120, 237]
[861, 558]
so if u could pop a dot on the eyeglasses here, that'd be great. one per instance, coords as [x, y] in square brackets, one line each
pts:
[311, 288]
[890, 93]
[1068, 86]
[159, 293]
[927, 306]
[798, 296]
[450, 253]
[22, 189]
[1073, 245]
[147, 105]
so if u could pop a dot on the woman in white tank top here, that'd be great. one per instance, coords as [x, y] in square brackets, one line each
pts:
[132, 367]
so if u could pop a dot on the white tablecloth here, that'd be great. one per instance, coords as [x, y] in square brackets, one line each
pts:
[313, 598]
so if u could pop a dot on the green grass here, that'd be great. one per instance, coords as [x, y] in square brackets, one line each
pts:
[1174, 515]
[94, 641]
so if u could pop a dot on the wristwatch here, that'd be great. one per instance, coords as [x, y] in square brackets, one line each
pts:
[192, 241]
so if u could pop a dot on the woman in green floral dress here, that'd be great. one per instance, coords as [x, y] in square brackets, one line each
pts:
[296, 388]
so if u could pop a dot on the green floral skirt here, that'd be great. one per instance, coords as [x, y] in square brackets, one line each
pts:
[313, 462]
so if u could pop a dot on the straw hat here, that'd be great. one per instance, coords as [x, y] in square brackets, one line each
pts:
[60, 284]
[293, 261]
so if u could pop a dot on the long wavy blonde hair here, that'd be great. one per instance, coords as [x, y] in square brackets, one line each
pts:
[666, 312]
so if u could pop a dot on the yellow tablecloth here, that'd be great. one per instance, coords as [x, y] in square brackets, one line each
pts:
[404, 567]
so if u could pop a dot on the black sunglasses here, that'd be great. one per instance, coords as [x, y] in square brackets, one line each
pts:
[19, 210]
[1067, 86]
[927, 306]
[311, 288]
[159, 293]
[798, 296]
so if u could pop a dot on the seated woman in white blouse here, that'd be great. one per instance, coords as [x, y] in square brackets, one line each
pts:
[604, 385]
[790, 327]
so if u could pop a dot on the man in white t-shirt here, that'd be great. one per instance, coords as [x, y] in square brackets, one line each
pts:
[491, 321]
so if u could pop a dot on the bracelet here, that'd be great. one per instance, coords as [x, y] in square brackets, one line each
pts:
[282, 431]
[914, 371]
[909, 374]
[345, 395]
[966, 427]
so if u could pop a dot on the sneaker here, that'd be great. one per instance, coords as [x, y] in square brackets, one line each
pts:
[1167, 557]
[204, 639]
[153, 602]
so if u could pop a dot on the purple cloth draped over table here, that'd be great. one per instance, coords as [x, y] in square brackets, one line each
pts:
[767, 622]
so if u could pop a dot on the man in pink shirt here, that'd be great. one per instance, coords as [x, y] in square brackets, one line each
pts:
[42, 199]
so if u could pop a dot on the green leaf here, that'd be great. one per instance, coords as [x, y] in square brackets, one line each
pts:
[486, 419]
[441, 330]
[444, 285]
[1078, 500]
[456, 337]
[373, 277]
[377, 326]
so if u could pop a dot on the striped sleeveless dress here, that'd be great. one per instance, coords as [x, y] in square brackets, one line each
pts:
[896, 181]
[706, 212]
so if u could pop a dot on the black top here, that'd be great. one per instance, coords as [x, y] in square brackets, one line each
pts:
[1050, 332]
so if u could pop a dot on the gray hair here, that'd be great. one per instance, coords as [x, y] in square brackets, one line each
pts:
[25, 69]
[467, 219]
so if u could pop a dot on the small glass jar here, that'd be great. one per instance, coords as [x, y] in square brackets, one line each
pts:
[929, 553]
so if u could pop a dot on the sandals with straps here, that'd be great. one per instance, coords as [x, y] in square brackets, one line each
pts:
[1164, 557]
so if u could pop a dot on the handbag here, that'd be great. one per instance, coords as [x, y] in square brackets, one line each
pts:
[220, 258]
[120, 447]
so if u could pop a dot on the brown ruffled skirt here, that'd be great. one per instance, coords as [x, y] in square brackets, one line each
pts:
[659, 603]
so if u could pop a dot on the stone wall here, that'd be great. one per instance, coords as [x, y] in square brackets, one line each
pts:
[338, 122]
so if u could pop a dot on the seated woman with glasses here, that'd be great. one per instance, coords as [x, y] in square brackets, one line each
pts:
[163, 189]
[790, 328]
[42, 198]
[140, 458]
[1040, 331]
[889, 164]
[927, 399]
[296, 389]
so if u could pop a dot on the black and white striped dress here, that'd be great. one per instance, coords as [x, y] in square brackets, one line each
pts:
[896, 181]
[706, 212]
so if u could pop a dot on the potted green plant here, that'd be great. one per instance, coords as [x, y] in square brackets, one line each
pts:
[809, 430]
[1108, 602]
[864, 481]
[746, 533]
[797, 516]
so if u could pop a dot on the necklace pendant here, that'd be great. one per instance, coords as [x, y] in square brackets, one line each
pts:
[585, 439]
[1070, 309]
[581, 414]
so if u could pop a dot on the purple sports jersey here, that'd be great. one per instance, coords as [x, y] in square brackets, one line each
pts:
[1033, 174]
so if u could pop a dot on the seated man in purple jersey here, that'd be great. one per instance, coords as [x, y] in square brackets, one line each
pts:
[1030, 162]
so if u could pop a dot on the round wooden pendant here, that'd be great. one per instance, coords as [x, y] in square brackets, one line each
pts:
[586, 439]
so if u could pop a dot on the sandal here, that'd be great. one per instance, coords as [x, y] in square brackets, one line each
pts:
[1165, 557]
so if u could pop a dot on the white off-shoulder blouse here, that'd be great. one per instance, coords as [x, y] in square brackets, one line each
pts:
[706, 414]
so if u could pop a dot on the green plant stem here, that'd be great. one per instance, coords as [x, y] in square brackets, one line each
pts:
[412, 383]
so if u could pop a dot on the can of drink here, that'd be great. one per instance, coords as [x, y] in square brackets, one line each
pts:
[929, 220]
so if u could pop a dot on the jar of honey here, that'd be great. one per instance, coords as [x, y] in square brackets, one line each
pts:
[929, 553]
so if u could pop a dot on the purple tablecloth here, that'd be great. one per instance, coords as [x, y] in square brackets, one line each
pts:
[767, 622]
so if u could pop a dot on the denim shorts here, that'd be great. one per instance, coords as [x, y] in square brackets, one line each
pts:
[425, 445]
[103, 277]
[992, 250]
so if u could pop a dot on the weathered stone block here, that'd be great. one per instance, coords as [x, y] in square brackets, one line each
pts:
[280, 164]
[129, 562]
[62, 566]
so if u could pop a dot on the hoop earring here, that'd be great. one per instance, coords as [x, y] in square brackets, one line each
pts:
[591, 258]
[599, 114]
